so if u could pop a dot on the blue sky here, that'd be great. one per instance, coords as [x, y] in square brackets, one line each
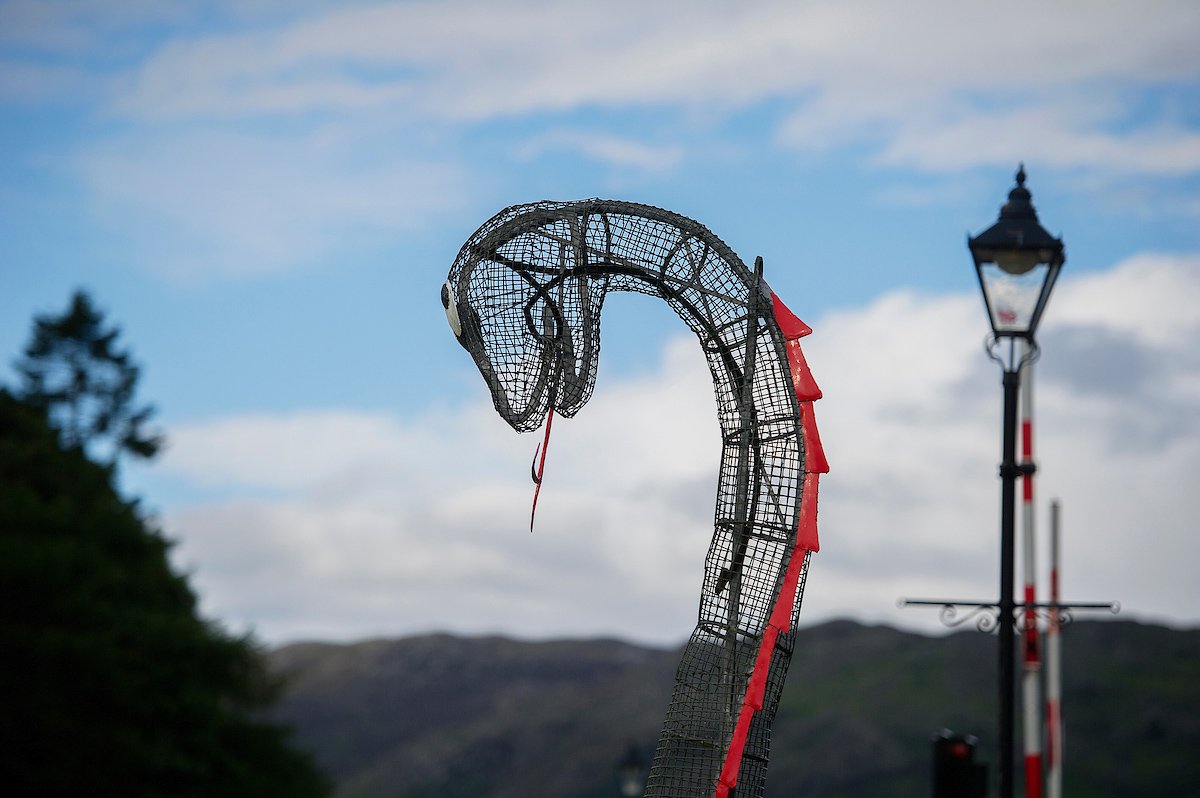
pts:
[266, 196]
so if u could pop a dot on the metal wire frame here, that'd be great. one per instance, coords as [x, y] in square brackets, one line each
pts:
[527, 289]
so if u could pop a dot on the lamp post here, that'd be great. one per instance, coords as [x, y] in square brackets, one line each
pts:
[1017, 263]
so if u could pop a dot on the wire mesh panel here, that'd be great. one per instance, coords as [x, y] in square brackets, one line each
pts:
[524, 297]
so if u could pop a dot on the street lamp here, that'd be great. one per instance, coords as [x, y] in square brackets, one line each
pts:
[1017, 263]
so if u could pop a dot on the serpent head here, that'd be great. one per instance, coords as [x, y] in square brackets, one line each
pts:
[518, 303]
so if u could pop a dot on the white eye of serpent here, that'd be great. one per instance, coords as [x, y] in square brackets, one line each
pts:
[451, 309]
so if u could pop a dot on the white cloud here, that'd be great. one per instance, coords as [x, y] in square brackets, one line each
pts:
[911, 508]
[926, 78]
[619, 151]
[243, 204]
[1151, 297]
[476, 58]
[926, 82]
[340, 525]
[251, 144]
[1060, 132]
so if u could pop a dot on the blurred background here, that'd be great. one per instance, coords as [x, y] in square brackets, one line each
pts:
[265, 197]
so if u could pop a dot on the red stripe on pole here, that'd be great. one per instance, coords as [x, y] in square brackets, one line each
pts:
[1033, 776]
[1027, 454]
[1032, 656]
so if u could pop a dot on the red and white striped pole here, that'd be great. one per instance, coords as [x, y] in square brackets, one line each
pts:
[1031, 653]
[1054, 722]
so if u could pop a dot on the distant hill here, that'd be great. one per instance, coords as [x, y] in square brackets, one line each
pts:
[490, 717]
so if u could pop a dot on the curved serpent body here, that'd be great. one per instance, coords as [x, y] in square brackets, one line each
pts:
[524, 298]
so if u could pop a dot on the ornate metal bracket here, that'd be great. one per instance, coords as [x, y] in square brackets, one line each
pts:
[1014, 362]
[986, 614]
[1060, 613]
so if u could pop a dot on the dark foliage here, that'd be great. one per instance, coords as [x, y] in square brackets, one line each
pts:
[112, 685]
[73, 369]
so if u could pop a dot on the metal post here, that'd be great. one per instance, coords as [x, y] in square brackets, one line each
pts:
[1005, 609]
[1008, 494]
[1054, 727]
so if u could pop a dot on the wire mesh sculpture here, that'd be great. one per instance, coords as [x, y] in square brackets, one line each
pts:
[524, 298]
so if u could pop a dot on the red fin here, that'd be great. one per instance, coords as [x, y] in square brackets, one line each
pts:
[802, 378]
[814, 453]
[806, 529]
[789, 324]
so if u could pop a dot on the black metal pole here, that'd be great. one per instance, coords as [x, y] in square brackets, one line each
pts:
[1005, 667]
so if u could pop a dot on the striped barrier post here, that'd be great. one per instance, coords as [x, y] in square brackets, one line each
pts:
[1054, 721]
[1031, 655]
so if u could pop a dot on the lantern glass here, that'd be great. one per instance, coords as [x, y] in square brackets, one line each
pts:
[1013, 297]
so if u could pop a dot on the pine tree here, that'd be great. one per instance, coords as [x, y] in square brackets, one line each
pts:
[112, 684]
[74, 370]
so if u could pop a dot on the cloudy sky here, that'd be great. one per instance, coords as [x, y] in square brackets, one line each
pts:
[267, 196]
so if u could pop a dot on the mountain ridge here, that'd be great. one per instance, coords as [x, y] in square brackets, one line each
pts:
[496, 717]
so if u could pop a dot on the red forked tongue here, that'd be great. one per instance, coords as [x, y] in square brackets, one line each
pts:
[541, 466]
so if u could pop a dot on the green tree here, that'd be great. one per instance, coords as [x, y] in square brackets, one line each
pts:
[74, 370]
[111, 683]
